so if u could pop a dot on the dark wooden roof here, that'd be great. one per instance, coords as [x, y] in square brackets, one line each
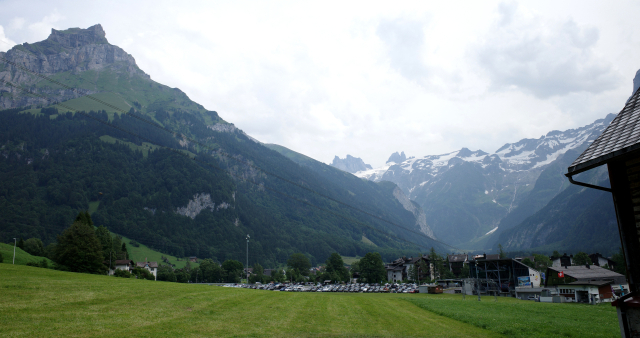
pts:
[621, 137]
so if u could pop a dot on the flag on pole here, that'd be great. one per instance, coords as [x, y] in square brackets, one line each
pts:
[561, 274]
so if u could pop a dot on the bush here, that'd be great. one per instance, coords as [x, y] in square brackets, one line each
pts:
[142, 273]
[34, 246]
[122, 273]
[134, 243]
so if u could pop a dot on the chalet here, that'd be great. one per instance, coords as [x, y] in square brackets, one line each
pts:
[399, 269]
[563, 260]
[457, 262]
[122, 264]
[150, 266]
[193, 259]
[394, 273]
[603, 262]
[618, 147]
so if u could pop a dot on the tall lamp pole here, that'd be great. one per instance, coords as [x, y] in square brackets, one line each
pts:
[14, 251]
[248, 258]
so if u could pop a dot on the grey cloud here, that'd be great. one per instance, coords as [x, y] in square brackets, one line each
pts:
[545, 59]
[404, 41]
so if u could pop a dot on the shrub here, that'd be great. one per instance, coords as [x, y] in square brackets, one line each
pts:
[122, 273]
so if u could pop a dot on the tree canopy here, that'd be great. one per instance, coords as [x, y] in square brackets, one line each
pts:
[581, 258]
[299, 262]
[78, 248]
[372, 268]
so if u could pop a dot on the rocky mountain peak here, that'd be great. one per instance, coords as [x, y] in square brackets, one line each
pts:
[73, 50]
[397, 158]
[78, 37]
[350, 164]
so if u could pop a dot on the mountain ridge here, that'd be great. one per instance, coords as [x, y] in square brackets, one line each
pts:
[461, 210]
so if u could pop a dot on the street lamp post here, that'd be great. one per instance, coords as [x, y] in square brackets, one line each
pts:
[14, 251]
[248, 258]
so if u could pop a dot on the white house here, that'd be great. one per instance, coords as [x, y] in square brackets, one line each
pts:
[151, 266]
[122, 264]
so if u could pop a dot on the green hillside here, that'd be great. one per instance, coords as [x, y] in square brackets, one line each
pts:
[22, 257]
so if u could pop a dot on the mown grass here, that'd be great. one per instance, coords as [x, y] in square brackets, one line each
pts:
[22, 257]
[517, 318]
[40, 303]
[142, 252]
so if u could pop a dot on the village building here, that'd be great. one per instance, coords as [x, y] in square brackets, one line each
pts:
[400, 269]
[150, 266]
[563, 260]
[502, 274]
[585, 283]
[122, 264]
[604, 262]
[457, 262]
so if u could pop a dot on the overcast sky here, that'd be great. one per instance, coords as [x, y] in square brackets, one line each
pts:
[366, 79]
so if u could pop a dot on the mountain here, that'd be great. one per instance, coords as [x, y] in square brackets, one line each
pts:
[355, 184]
[350, 164]
[576, 219]
[153, 165]
[397, 158]
[470, 197]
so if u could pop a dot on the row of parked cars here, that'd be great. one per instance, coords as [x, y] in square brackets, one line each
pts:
[351, 287]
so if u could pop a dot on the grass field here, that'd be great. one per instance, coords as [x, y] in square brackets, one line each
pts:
[516, 318]
[22, 257]
[42, 302]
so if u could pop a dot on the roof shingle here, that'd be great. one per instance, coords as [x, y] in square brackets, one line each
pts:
[620, 137]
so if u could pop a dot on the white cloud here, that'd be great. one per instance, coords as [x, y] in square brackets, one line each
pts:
[544, 57]
[5, 42]
[367, 78]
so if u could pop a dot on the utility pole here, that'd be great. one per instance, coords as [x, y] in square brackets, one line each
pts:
[14, 251]
[248, 258]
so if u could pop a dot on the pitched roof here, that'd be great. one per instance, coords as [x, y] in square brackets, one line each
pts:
[593, 272]
[123, 261]
[151, 264]
[591, 282]
[621, 136]
[457, 258]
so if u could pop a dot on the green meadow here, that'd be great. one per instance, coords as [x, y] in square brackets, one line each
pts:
[42, 302]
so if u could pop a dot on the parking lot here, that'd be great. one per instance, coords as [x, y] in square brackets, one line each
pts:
[351, 287]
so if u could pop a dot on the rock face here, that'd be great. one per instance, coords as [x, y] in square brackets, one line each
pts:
[397, 158]
[199, 203]
[73, 50]
[416, 210]
[350, 164]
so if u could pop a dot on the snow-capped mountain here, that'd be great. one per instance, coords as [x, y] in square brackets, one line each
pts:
[465, 194]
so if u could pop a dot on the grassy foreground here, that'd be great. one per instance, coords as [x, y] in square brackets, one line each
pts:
[42, 302]
[516, 318]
